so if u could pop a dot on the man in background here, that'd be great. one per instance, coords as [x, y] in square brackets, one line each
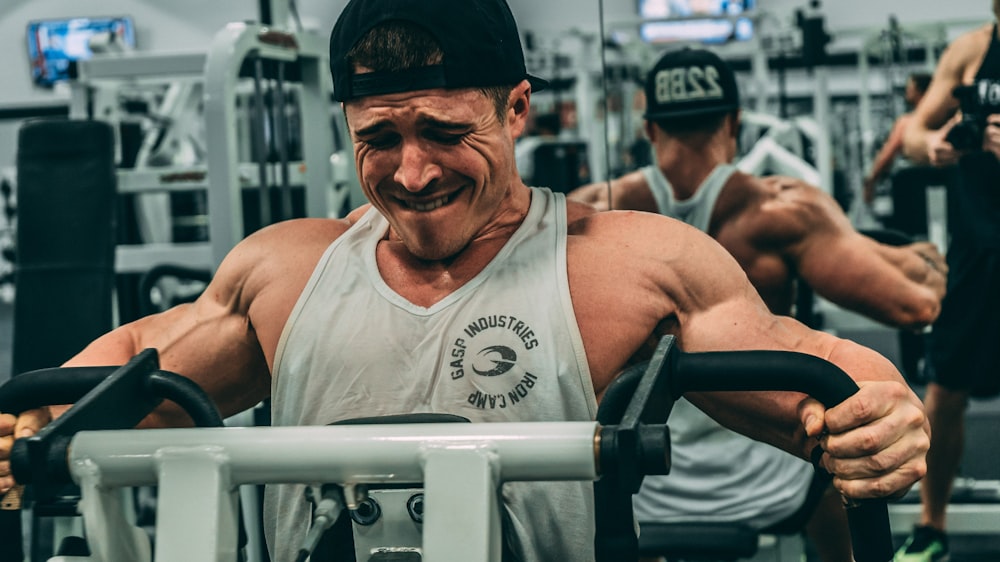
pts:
[782, 232]
[957, 123]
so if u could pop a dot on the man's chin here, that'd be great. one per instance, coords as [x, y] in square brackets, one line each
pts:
[434, 250]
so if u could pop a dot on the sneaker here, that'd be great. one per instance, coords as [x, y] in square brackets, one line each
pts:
[926, 544]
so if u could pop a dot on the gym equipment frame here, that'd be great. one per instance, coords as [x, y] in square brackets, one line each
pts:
[455, 462]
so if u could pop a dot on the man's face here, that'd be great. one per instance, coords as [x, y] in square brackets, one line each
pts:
[436, 163]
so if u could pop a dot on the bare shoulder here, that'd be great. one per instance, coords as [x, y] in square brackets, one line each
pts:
[629, 236]
[962, 56]
[294, 236]
[630, 191]
[284, 252]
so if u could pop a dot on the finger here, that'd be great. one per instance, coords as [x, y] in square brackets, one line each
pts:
[891, 486]
[879, 430]
[811, 413]
[31, 422]
[872, 401]
[4, 468]
[7, 422]
[911, 447]
[6, 483]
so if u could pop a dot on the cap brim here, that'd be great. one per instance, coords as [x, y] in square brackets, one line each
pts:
[537, 83]
[689, 112]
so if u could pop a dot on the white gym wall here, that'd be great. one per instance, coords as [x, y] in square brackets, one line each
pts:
[190, 24]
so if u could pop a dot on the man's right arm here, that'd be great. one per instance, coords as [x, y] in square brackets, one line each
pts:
[885, 157]
[923, 140]
[214, 340]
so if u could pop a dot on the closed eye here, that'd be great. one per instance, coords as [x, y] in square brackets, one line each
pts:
[444, 137]
[382, 141]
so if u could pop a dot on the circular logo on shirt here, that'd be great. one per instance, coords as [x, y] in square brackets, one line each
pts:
[490, 355]
[496, 360]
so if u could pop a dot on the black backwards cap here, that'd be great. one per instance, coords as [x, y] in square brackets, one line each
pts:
[479, 39]
[690, 82]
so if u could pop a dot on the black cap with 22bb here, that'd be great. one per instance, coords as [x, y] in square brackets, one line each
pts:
[690, 82]
[479, 38]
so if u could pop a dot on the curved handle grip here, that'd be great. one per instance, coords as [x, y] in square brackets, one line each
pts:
[777, 370]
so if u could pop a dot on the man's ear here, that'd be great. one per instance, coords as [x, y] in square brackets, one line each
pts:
[518, 104]
[650, 129]
[736, 121]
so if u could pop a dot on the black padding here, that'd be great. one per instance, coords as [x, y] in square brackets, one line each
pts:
[560, 165]
[66, 186]
[697, 541]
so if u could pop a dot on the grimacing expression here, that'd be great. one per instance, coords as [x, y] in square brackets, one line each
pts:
[436, 163]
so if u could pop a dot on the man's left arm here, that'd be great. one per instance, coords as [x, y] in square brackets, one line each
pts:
[875, 441]
[898, 286]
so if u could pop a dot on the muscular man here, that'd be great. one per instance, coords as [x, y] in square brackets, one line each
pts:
[916, 87]
[337, 319]
[778, 229]
[963, 347]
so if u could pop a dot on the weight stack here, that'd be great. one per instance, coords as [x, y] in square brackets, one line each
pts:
[64, 276]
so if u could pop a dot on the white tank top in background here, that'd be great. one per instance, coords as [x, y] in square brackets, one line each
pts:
[696, 210]
[504, 347]
[716, 474]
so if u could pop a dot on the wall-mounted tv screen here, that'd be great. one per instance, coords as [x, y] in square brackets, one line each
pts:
[54, 44]
[703, 21]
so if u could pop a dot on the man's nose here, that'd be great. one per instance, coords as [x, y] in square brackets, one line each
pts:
[417, 167]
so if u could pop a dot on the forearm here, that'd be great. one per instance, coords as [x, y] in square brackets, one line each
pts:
[770, 416]
[884, 158]
[222, 357]
[917, 298]
[114, 348]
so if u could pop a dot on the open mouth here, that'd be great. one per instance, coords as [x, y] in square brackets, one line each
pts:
[424, 206]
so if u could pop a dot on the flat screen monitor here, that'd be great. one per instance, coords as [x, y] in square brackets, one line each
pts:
[702, 21]
[54, 44]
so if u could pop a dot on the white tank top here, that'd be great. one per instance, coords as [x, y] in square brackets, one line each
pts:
[503, 347]
[717, 474]
[696, 210]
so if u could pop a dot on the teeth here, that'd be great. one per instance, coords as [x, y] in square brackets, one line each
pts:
[429, 206]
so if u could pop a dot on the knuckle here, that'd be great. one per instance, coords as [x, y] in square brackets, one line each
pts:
[880, 488]
[879, 464]
[861, 408]
[869, 441]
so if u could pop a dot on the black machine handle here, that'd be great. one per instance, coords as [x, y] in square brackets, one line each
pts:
[766, 370]
[671, 373]
[102, 398]
[119, 397]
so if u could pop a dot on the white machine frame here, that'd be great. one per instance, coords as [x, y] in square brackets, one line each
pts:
[461, 466]
[223, 175]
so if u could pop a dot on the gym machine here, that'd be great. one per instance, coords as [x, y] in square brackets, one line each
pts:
[457, 466]
[208, 105]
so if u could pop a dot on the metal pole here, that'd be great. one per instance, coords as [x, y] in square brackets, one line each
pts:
[260, 138]
[280, 115]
